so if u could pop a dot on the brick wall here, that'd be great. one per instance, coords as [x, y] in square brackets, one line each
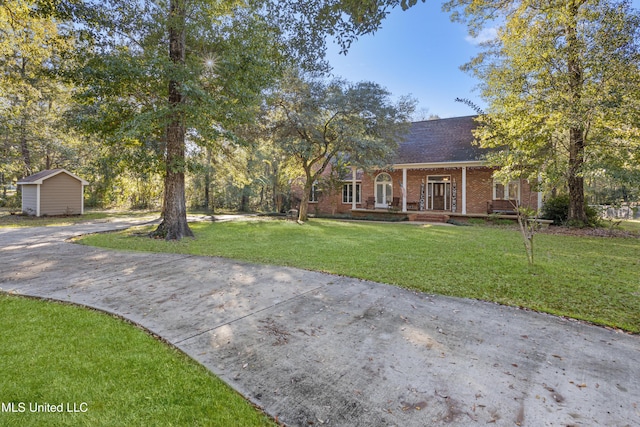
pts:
[528, 197]
[479, 189]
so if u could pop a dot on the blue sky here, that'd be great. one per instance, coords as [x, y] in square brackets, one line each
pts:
[417, 52]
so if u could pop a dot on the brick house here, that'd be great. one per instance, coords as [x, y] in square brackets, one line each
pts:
[437, 172]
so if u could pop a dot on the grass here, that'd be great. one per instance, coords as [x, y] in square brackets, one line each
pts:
[632, 226]
[590, 278]
[119, 375]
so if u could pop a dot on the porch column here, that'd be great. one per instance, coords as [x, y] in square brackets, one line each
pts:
[353, 187]
[404, 190]
[539, 192]
[464, 190]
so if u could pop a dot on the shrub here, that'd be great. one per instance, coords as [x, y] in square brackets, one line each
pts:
[557, 209]
[13, 201]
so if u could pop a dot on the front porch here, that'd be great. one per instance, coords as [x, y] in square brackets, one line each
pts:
[409, 215]
[451, 191]
[432, 216]
[423, 189]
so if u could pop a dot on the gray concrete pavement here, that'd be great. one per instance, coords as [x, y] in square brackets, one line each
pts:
[316, 349]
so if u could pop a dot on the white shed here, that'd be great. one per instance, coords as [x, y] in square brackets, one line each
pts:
[53, 192]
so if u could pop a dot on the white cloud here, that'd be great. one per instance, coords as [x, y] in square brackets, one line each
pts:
[487, 34]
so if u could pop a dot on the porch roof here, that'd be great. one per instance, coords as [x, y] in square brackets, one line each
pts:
[441, 141]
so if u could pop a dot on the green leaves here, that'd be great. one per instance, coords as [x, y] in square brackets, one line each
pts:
[33, 99]
[317, 122]
[410, 3]
[561, 81]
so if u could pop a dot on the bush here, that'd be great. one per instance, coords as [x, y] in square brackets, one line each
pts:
[13, 201]
[557, 209]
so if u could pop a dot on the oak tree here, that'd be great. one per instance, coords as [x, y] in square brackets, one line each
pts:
[561, 80]
[316, 122]
[143, 78]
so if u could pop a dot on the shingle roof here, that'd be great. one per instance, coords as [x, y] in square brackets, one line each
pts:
[37, 178]
[40, 175]
[440, 141]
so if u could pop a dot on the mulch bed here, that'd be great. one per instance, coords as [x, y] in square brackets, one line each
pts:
[588, 232]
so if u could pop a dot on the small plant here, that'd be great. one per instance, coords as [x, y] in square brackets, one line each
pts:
[529, 225]
[493, 218]
[613, 224]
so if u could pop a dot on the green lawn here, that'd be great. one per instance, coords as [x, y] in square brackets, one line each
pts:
[111, 372]
[632, 226]
[591, 278]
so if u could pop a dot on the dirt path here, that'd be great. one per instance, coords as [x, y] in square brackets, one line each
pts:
[316, 349]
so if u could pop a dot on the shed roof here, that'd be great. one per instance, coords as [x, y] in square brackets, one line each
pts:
[37, 178]
[440, 141]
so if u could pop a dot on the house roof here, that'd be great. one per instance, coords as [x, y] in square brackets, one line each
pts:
[37, 178]
[440, 141]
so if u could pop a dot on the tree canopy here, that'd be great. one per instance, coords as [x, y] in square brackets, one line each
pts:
[33, 99]
[317, 123]
[562, 83]
[221, 55]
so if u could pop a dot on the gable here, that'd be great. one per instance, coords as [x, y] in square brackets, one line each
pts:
[40, 177]
[440, 141]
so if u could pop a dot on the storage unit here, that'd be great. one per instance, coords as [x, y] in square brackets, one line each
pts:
[53, 192]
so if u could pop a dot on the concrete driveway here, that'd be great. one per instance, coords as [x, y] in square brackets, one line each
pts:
[316, 349]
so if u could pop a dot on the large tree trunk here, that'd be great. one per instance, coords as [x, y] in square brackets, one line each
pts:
[208, 206]
[174, 224]
[24, 147]
[575, 180]
[303, 212]
[576, 132]
[244, 200]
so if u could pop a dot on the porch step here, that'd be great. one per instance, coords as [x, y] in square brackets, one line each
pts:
[429, 217]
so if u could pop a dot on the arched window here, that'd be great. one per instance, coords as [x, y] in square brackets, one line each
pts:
[384, 190]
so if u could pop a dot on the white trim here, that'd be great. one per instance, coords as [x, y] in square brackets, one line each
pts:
[439, 165]
[354, 194]
[38, 199]
[429, 196]
[353, 187]
[539, 193]
[388, 197]
[52, 175]
[404, 190]
[313, 195]
[464, 190]
[506, 195]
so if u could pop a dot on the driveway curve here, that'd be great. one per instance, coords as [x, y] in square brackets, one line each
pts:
[317, 349]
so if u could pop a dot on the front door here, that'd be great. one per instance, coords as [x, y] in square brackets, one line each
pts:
[438, 196]
[439, 193]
